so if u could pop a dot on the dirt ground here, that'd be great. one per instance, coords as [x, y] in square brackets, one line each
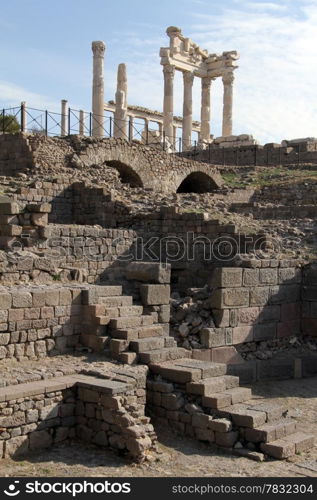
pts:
[181, 457]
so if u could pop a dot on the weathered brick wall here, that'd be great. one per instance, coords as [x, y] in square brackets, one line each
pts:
[254, 304]
[103, 412]
[269, 154]
[309, 298]
[152, 168]
[39, 321]
[15, 154]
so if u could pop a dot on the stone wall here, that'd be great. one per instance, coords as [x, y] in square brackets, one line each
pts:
[102, 412]
[39, 321]
[309, 298]
[251, 305]
[142, 165]
[269, 154]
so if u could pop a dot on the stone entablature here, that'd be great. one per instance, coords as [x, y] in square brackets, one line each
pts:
[186, 56]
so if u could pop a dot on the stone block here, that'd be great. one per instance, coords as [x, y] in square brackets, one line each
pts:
[40, 439]
[155, 294]
[17, 446]
[9, 208]
[5, 300]
[266, 331]
[259, 296]
[221, 317]
[268, 276]
[269, 313]
[289, 275]
[241, 334]
[225, 355]
[285, 293]
[212, 337]
[22, 299]
[288, 328]
[226, 439]
[278, 449]
[224, 277]
[201, 420]
[149, 272]
[205, 434]
[248, 315]
[220, 425]
[229, 297]
[39, 219]
[251, 277]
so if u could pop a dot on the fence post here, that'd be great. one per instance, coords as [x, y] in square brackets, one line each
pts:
[64, 117]
[69, 112]
[81, 122]
[110, 127]
[209, 152]
[223, 156]
[3, 120]
[23, 116]
[90, 118]
[46, 119]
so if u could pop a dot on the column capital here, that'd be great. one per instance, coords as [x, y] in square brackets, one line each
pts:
[228, 78]
[188, 77]
[98, 48]
[206, 82]
[169, 69]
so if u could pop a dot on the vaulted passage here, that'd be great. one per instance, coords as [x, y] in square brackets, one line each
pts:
[127, 174]
[197, 182]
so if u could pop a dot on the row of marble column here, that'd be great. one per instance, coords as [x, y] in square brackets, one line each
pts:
[168, 106]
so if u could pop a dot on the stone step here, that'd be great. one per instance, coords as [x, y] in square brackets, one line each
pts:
[207, 368]
[229, 397]
[269, 432]
[97, 344]
[130, 311]
[96, 294]
[116, 346]
[183, 371]
[289, 445]
[116, 301]
[101, 320]
[274, 410]
[242, 416]
[151, 343]
[212, 385]
[136, 333]
[130, 322]
[164, 354]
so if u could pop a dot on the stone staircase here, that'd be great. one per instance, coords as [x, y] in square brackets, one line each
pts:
[226, 413]
[116, 327]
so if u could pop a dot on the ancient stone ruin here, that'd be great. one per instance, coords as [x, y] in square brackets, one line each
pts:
[141, 286]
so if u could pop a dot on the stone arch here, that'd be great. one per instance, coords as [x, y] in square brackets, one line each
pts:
[126, 173]
[197, 182]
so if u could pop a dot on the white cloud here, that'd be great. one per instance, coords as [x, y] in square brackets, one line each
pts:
[12, 95]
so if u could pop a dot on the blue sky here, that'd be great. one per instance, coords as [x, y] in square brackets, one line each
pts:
[45, 53]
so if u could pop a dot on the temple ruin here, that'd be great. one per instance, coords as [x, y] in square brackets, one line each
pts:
[142, 286]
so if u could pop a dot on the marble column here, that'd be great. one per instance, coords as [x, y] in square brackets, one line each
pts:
[204, 135]
[98, 49]
[64, 117]
[120, 116]
[169, 72]
[146, 130]
[187, 109]
[131, 127]
[81, 122]
[227, 104]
